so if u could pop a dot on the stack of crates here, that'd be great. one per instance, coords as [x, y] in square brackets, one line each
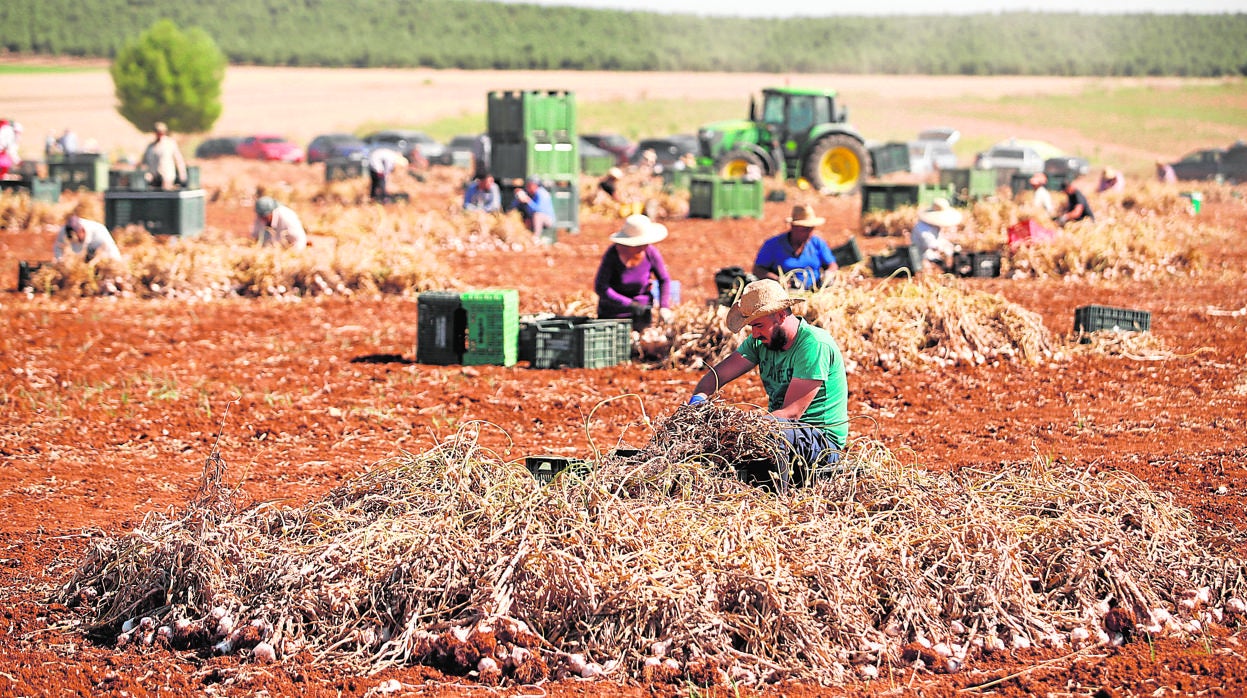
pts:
[710, 196]
[46, 190]
[969, 184]
[533, 133]
[493, 327]
[442, 326]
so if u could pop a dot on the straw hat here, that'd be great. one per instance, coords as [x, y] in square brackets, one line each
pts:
[265, 205]
[160, 127]
[614, 173]
[940, 214]
[1110, 173]
[803, 214]
[1039, 179]
[759, 298]
[639, 230]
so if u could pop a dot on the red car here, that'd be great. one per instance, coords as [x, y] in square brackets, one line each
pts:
[270, 147]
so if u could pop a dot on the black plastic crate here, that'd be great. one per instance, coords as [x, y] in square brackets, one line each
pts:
[442, 326]
[884, 265]
[26, 270]
[847, 254]
[888, 197]
[984, 265]
[1094, 318]
[545, 468]
[526, 350]
[890, 157]
[583, 343]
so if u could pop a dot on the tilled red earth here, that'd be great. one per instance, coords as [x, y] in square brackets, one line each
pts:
[112, 406]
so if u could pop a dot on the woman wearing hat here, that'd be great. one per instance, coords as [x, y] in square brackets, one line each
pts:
[627, 271]
[802, 372]
[277, 225]
[796, 254]
[926, 235]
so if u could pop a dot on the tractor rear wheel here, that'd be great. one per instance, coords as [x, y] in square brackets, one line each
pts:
[836, 165]
[735, 164]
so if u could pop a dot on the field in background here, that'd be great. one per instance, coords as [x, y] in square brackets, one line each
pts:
[1127, 122]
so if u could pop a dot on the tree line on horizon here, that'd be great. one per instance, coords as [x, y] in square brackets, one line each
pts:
[479, 35]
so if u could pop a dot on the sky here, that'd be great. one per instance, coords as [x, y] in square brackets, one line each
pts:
[832, 8]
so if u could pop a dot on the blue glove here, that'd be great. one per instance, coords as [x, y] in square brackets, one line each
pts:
[697, 399]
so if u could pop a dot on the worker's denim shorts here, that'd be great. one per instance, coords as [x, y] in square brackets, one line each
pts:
[804, 450]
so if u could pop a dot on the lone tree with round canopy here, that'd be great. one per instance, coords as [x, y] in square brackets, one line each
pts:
[171, 76]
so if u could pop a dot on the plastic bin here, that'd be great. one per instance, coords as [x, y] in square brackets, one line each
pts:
[847, 254]
[970, 184]
[582, 343]
[1094, 318]
[441, 328]
[493, 327]
[890, 157]
[982, 265]
[713, 197]
[888, 197]
[928, 193]
[514, 116]
[884, 265]
[88, 173]
[178, 212]
[545, 468]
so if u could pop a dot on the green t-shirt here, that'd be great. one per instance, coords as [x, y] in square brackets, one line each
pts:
[814, 355]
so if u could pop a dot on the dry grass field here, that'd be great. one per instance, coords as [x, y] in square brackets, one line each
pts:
[111, 406]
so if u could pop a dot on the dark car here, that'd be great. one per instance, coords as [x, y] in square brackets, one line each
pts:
[336, 146]
[669, 150]
[460, 151]
[1066, 167]
[614, 143]
[218, 147]
[1217, 164]
[413, 145]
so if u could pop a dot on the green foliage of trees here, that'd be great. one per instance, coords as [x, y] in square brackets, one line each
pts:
[169, 75]
[476, 34]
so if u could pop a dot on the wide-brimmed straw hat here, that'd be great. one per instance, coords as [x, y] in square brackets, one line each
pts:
[639, 230]
[940, 214]
[803, 214]
[759, 298]
[1039, 179]
[614, 173]
[1110, 173]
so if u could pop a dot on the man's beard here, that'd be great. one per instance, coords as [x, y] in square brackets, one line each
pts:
[779, 339]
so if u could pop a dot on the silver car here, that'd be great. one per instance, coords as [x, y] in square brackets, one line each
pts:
[1015, 156]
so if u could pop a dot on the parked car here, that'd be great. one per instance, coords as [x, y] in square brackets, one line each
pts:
[669, 150]
[620, 146]
[1066, 166]
[220, 146]
[1010, 155]
[270, 147]
[459, 151]
[1217, 164]
[933, 150]
[332, 146]
[413, 145]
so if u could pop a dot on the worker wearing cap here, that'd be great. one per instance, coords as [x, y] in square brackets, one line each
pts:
[803, 374]
[381, 164]
[277, 225]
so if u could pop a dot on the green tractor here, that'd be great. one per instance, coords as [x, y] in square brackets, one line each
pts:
[800, 133]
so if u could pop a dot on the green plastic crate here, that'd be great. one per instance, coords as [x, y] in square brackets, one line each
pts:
[713, 197]
[970, 184]
[493, 321]
[441, 328]
[178, 212]
[532, 158]
[516, 116]
[878, 196]
[928, 193]
[1094, 318]
[582, 343]
[81, 173]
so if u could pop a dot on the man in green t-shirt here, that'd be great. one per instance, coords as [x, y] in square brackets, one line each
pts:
[802, 371]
